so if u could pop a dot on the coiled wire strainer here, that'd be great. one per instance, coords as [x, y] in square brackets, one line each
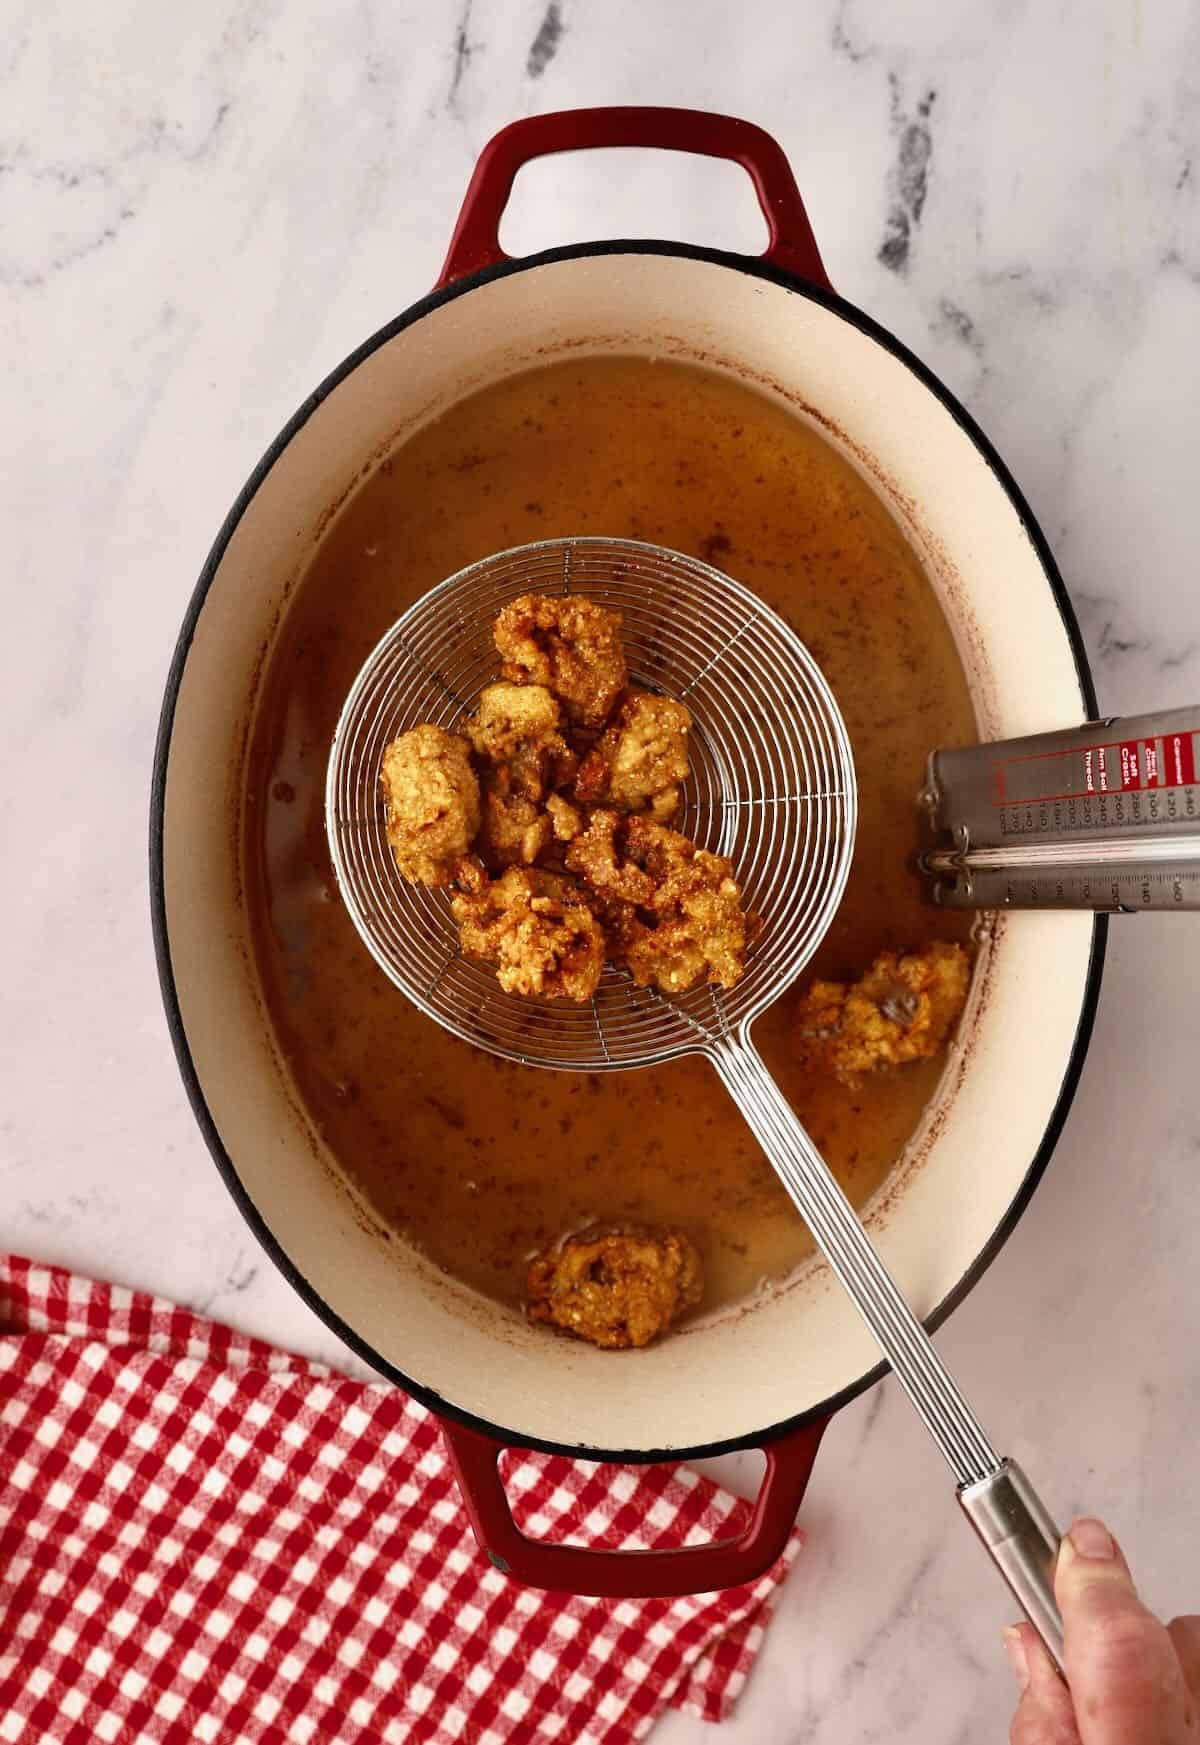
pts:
[772, 787]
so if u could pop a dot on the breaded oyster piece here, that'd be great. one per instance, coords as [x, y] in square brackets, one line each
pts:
[570, 645]
[517, 729]
[618, 1288]
[432, 799]
[903, 1009]
[641, 758]
[535, 927]
[675, 911]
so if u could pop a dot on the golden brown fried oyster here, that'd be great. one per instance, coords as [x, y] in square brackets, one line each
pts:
[432, 803]
[536, 929]
[675, 916]
[568, 644]
[617, 1289]
[903, 1009]
[513, 830]
[600, 855]
[517, 728]
[640, 760]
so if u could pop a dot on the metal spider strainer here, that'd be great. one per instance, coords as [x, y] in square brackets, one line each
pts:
[773, 788]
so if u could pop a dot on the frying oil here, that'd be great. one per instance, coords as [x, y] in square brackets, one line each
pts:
[479, 1161]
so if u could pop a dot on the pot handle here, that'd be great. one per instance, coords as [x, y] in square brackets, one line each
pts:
[476, 241]
[688, 1569]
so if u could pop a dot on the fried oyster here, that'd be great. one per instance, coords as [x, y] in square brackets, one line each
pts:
[616, 1288]
[673, 910]
[516, 736]
[518, 728]
[513, 829]
[542, 938]
[903, 1009]
[570, 645]
[432, 801]
[641, 758]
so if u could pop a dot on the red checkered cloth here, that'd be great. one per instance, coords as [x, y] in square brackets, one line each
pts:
[206, 1539]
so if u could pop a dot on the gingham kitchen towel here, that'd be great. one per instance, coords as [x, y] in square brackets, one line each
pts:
[205, 1539]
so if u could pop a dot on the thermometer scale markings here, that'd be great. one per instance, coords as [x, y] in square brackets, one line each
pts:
[1104, 816]
[1130, 892]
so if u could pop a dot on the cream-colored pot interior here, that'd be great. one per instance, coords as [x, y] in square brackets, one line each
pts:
[745, 1370]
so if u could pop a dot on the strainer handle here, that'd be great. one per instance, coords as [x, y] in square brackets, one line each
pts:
[687, 1569]
[476, 240]
[996, 1496]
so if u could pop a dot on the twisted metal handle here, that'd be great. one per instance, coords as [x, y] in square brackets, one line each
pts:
[995, 1495]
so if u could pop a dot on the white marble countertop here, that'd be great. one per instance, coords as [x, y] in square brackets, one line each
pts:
[201, 211]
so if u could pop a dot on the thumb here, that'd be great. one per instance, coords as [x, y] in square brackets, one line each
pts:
[1125, 1677]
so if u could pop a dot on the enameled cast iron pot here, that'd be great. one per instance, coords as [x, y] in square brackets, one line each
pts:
[770, 1375]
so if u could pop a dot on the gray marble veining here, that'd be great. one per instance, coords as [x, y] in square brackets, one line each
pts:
[201, 211]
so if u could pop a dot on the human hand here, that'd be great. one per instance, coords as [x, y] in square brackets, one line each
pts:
[1133, 1681]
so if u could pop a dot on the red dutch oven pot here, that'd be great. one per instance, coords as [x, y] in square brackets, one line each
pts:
[767, 1374]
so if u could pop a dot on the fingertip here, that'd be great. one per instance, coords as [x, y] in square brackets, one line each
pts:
[1044, 1713]
[1088, 1557]
[1030, 1659]
[1018, 1654]
[1042, 1667]
[1090, 1538]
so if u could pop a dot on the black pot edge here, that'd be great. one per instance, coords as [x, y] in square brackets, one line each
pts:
[755, 268]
